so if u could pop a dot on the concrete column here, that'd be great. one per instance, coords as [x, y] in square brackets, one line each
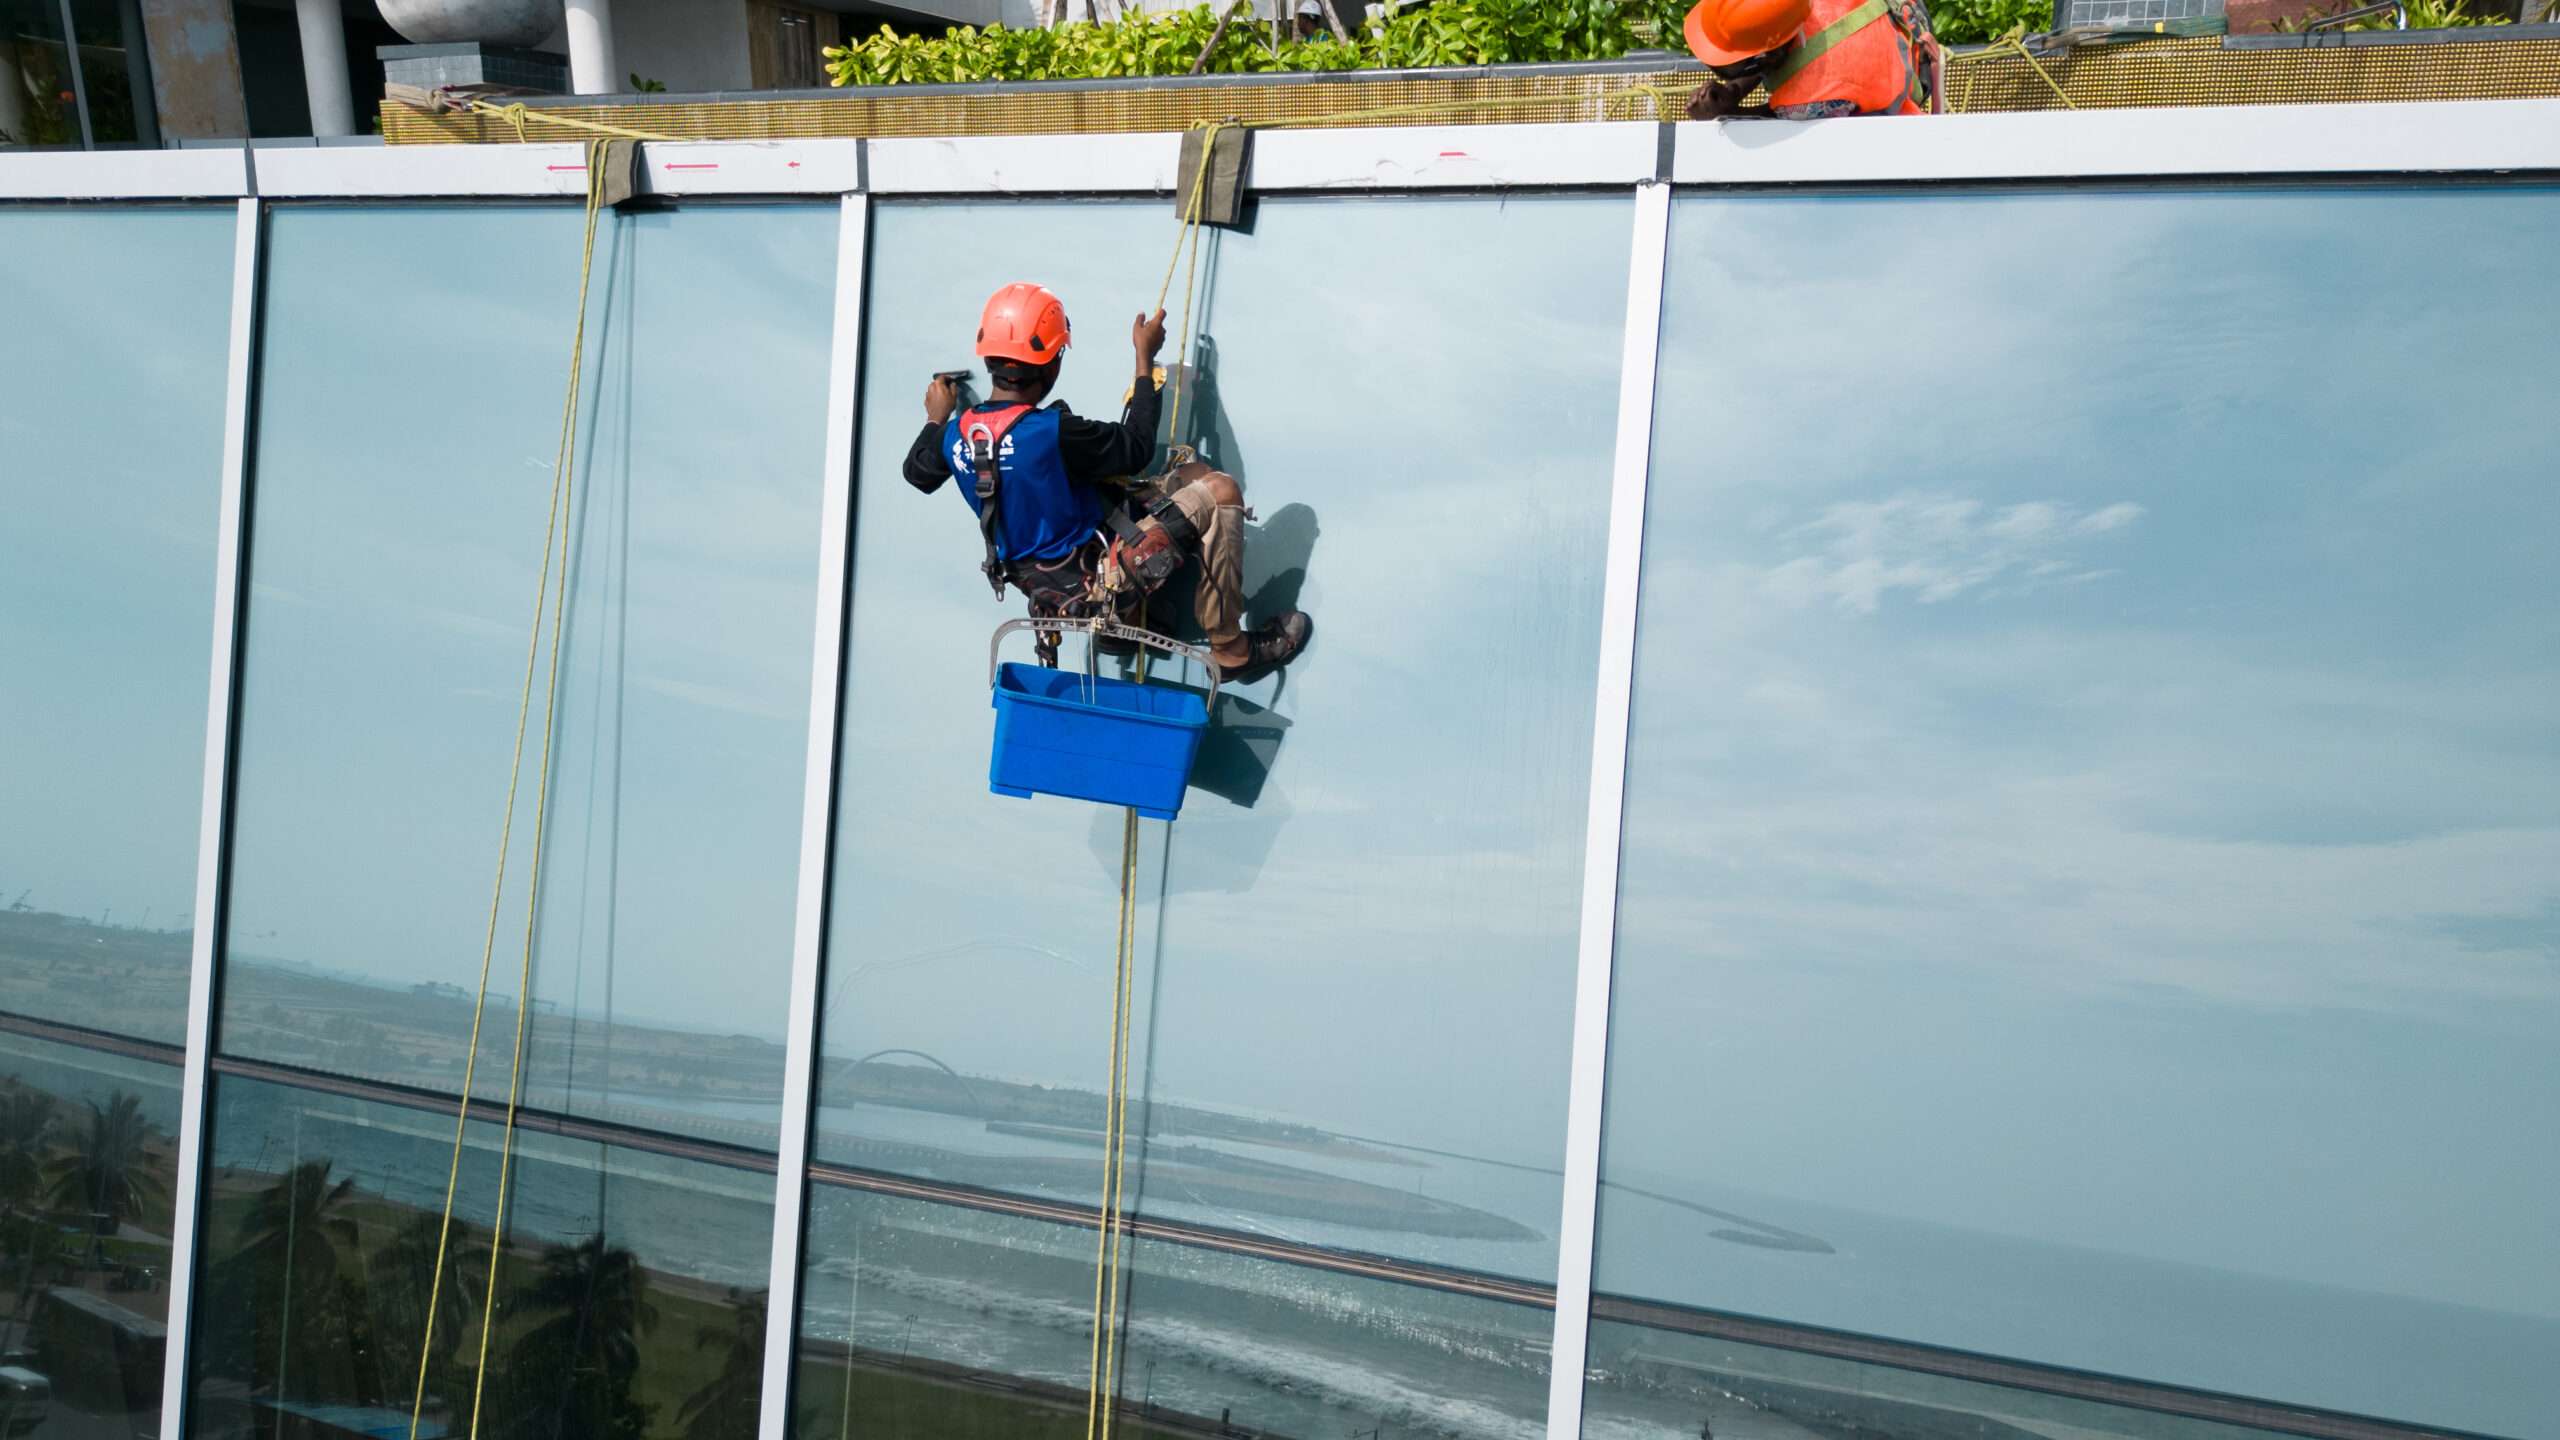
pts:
[195, 69]
[324, 67]
[593, 69]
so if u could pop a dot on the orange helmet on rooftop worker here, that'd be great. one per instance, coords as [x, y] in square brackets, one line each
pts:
[1023, 323]
[1725, 33]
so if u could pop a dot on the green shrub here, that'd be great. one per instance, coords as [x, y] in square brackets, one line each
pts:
[1975, 22]
[1452, 32]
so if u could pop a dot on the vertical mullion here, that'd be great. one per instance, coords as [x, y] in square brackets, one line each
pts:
[817, 827]
[213, 830]
[79, 81]
[1577, 1230]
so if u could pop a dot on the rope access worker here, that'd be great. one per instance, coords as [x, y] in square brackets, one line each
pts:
[1040, 480]
[1817, 57]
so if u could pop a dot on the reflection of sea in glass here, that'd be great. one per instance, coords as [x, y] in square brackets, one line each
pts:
[2090, 851]
[629, 1295]
[923, 1320]
[1650, 1384]
[88, 1164]
[391, 577]
[106, 602]
[1352, 1007]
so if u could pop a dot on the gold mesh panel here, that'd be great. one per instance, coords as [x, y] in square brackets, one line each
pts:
[2203, 72]
[2150, 72]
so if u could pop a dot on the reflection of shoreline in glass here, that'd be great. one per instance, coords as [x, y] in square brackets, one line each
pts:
[629, 1294]
[923, 1316]
[122, 979]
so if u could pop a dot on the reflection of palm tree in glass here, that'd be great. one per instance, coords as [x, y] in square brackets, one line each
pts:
[107, 1175]
[401, 1276]
[725, 1408]
[26, 1129]
[575, 1370]
[26, 1126]
[292, 1232]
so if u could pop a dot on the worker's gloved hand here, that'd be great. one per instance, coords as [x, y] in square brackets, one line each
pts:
[1150, 560]
[941, 397]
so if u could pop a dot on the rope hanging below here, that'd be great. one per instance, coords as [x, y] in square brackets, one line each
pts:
[1103, 1383]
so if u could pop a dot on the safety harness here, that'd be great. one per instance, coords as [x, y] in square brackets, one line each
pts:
[985, 431]
[1907, 17]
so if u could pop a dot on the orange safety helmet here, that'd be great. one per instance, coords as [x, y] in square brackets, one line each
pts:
[1024, 323]
[1728, 32]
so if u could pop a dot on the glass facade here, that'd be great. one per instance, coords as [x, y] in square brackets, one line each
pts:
[2090, 839]
[2084, 933]
[391, 574]
[106, 603]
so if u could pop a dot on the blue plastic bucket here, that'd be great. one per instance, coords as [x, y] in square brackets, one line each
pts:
[1114, 742]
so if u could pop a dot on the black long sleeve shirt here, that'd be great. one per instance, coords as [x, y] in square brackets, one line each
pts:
[1094, 451]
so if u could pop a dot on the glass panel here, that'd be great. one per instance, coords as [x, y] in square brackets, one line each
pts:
[1445, 521]
[630, 1291]
[1651, 1384]
[106, 602]
[965, 926]
[409, 413]
[88, 1164]
[1328, 892]
[2092, 879]
[926, 1322]
[39, 108]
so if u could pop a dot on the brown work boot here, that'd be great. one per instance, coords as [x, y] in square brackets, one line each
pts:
[1274, 643]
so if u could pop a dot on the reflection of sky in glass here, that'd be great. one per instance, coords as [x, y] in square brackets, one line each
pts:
[111, 391]
[2091, 843]
[1375, 878]
[409, 413]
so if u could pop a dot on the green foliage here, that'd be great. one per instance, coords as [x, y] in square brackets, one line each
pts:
[640, 86]
[1452, 32]
[2431, 15]
[1976, 22]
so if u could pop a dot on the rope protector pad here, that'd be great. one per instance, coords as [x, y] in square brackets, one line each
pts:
[1228, 153]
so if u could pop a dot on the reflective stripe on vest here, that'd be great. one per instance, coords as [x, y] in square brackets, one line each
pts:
[1819, 43]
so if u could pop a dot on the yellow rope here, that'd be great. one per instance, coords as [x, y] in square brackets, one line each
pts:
[1103, 1388]
[519, 112]
[2011, 45]
[556, 539]
[1102, 1396]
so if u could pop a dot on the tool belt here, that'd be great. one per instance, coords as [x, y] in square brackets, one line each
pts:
[1106, 578]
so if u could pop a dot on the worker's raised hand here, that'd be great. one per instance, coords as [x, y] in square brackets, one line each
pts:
[1148, 335]
[941, 397]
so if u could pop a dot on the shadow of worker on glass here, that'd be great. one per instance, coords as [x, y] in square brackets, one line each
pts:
[1243, 741]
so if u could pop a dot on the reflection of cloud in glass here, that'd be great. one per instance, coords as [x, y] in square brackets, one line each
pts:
[2091, 823]
[1937, 547]
[393, 571]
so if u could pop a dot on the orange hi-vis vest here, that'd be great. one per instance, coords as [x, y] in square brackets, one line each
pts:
[1859, 57]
